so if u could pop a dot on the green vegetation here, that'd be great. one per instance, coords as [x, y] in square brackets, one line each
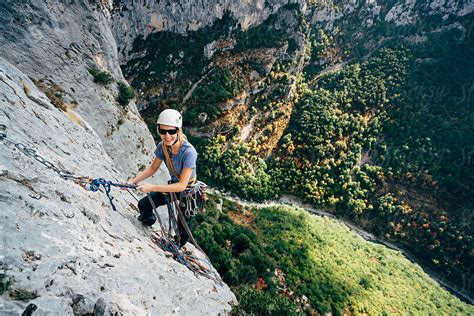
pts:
[320, 151]
[364, 133]
[235, 262]
[219, 86]
[170, 58]
[100, 76]
[432, 121]
[271, 257]
[126, 93]
[384, 141]
[236, 167]
[322, 47]
[427, 141]
[332, 126]
[255, 302]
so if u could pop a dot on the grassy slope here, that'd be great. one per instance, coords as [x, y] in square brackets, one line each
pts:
[320, 258]
[374, 278]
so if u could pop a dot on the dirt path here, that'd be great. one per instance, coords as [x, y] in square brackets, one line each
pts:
[190, 92]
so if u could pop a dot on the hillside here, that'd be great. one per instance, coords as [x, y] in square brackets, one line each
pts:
[281, 260]
[363, 109]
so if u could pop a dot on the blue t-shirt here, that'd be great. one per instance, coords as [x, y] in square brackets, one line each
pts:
[185, 158]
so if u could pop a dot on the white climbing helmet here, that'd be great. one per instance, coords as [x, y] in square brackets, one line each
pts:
[170, 117]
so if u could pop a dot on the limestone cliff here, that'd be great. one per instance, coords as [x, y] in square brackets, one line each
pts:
[63, 249]
[132, 19]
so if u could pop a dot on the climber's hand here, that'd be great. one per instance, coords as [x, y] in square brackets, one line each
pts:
[129, 182]
[146, 187]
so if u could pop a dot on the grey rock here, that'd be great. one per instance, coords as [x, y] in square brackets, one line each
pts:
[52, 257]
[131, 19]
[209, 50]
[99, 307]
[58, 239]
[202, 117]
[33, 42]
[81, 305]
[29, 310]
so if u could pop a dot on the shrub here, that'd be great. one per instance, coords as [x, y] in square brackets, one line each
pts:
[52, 91]
[101, 77]
[254, 302]
[126, 93]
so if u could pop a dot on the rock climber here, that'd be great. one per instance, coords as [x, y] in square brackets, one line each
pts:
[180, 159]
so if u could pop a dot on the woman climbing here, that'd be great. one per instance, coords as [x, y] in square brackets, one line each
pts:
[182, 156]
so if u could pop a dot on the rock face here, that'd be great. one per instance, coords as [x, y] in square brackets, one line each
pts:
[136, 18]
[400, 13]
[59, 43]
[64, 250]
[131, 19]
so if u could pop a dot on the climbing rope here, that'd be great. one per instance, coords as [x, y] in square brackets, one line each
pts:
[94, 184]
[165, 242]
[168, 244]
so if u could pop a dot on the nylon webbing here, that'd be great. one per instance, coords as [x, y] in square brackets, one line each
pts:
[170, 165]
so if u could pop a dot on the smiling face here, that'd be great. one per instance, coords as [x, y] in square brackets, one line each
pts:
[168, 134]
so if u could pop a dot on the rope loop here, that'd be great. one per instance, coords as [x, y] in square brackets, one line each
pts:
[169, 244]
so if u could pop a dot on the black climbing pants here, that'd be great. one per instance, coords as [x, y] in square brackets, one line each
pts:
[148, 217]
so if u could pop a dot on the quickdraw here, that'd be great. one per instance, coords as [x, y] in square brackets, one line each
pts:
[96, 183]
[193, 199]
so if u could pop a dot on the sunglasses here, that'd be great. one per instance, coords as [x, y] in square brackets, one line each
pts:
[169, 131]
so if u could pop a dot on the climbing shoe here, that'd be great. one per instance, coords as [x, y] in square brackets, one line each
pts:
[147, 221]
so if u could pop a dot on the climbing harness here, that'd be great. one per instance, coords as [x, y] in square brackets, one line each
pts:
[166, 241]
[194, 197]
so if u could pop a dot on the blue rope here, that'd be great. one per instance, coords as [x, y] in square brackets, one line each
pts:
[96, 183]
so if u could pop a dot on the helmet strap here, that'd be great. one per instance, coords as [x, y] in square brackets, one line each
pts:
[177, 139]
[171, 146]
